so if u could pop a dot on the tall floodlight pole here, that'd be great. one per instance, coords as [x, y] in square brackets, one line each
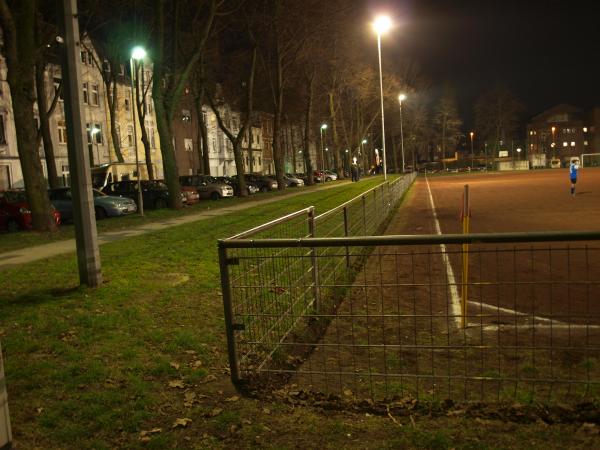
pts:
[381, 25]
[86, 234]
[137, 54]
[400, 98]
[323, 128]
[472, 154]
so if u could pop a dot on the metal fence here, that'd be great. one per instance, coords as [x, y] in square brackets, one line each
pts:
[333, 311]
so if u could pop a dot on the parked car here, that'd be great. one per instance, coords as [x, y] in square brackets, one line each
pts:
[155, 194]
[192, 196]
[233, 182]
[292, 180]
[263, 182]
[318, 176]
[207, 186]
[104, 205]
[303, 177]
[15, 211]
[330, 175]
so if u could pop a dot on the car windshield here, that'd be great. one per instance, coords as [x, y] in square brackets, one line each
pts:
[97, 193]
[15, 196]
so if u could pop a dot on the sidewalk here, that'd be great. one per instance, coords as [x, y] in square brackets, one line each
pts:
[30, 254]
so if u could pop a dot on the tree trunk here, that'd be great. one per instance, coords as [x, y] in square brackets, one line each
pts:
[307, 127]
[112, 95]
[42, 101]
[140, 99]
[277, 150]
[19, 49]
[336, 140]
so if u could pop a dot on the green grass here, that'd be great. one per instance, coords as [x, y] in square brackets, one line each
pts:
[90, 368]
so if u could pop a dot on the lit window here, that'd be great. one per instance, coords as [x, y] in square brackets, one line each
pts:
[531, 133]
[585, 143]
[62, 132]
[572, 143]
[95, 95]
[565, 144]
[585, 129]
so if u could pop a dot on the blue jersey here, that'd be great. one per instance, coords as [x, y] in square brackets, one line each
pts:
[573, 171]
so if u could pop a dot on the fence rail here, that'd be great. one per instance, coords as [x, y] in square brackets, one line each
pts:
[327, 308]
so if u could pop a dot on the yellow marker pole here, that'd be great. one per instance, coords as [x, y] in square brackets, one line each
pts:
[466, 214]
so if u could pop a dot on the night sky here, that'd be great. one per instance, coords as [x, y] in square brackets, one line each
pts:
[546, 52]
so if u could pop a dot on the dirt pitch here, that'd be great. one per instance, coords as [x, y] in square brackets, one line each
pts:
[534, 311]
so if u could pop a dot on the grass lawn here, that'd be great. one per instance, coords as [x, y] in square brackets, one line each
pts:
[128, 364]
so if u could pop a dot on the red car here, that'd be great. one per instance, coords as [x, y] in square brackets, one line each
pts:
[15, 213]
[191, 194]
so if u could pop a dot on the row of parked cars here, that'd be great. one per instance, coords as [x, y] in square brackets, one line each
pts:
[120, 198]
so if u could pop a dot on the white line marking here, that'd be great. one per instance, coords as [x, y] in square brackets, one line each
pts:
[454, 297]
[538, 326]
[512, 311]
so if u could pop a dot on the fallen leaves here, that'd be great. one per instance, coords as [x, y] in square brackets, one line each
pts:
[177, 384]
[181, 423]
[146, 435]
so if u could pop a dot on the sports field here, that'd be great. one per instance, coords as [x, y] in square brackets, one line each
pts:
[533, 309]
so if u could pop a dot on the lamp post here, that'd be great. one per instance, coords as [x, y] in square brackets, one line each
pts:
[137, 54]
[347, 161]
[323, 128]
[94, 131]
[553, 144]
[472, 154]
[519, 153]
[400, 98]
[382, 25]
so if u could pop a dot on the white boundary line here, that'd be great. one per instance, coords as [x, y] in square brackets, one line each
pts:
[454, 297]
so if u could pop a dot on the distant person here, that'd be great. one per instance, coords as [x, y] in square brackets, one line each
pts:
[354, 171]
[573, 168]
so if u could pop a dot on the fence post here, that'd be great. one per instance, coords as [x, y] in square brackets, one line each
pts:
[5, 433]
[234, 363]
[465, 213]
[346, 234]
[383, 209]
[312, 230]
[364, 205]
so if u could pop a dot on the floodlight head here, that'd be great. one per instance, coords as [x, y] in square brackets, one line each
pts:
[364, 141]
[402, 97]
[138, 53]
[382, 24]
[324, 126]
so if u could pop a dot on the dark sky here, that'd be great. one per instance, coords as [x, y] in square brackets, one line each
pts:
[546, 52]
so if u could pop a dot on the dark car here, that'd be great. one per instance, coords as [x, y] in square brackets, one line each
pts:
[263, 182]
[234, 183]
[15, 211]
[155, 194]
[104, 205]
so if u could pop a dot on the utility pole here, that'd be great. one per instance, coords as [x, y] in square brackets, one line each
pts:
[86, 235]
[5, 432]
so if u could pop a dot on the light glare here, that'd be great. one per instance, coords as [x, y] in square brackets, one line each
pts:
[138, 53]
[382, 24]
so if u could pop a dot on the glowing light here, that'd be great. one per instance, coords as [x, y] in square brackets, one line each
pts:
[402, 97]
[382, 24]
[138, 53]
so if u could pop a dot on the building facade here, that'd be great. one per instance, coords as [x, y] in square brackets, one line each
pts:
[563, 132]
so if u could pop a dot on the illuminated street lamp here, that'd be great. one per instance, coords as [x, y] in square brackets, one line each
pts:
[323, 128]
[400, 98]
[472, 154]
[519, 153]
[381, 26]
[137, 54]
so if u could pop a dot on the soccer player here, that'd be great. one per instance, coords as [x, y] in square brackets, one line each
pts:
[573, 168]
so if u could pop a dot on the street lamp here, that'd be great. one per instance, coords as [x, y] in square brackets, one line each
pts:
[519, 153]
[137, 54]
[472, 154]
[400, 98]
[93, 133]
[381, 26]
[323, 128]
[553, 129]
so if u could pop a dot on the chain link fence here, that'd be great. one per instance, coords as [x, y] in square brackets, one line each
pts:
[313, 301]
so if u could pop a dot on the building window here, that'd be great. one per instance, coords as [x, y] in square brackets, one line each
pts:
[259, 161]
[585, 129]
[57, 82]
[129, 136]
[85, 93]
[585, 143]
[84, 57]
[150, 106]
[572, 143]
[186, 115]
[95, 95]
[565, 144]
[62, 132]
[2, 130]
[126, 104]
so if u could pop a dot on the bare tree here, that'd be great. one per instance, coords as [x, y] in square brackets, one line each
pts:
[18, 21]
[447, 121]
